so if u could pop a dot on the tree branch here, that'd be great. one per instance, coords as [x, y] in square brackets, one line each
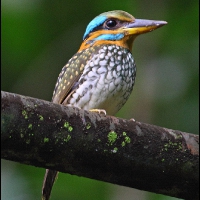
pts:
[106, 148]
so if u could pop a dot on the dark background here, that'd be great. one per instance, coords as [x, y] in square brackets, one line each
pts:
[38, 38]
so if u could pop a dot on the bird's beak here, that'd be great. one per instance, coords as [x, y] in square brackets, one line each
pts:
[140, 26]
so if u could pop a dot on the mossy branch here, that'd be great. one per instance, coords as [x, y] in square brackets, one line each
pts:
[106, 148]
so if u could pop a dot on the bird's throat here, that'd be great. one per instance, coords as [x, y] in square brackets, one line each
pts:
[125, 42]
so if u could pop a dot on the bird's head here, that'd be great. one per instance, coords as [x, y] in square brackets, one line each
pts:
[117, 27]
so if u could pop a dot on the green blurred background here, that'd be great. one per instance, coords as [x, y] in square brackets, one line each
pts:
[38, 38]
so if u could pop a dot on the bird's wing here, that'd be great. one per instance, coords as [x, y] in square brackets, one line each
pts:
[68, 77]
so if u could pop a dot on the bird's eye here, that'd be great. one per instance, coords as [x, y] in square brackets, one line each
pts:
[111, 23]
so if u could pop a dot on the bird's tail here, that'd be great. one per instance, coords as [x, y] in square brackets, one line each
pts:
[49, 179]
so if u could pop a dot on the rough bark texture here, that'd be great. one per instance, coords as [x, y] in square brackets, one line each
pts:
[106, 148]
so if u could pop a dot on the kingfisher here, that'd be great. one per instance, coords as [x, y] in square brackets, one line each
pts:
[101, 75]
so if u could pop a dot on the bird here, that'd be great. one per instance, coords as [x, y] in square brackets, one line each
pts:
[101, 75]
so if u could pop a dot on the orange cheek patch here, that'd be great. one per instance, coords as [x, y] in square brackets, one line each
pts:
[125, 42]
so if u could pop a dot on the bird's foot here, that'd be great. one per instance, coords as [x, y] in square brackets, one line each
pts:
[100, 111]
[132, 119]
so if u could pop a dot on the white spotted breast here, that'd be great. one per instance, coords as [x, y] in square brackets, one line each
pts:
[100, 77]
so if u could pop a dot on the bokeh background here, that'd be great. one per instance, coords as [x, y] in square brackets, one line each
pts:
[38, 38]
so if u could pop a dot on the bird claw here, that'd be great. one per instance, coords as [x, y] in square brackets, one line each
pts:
[100, 111]
[132, 119]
